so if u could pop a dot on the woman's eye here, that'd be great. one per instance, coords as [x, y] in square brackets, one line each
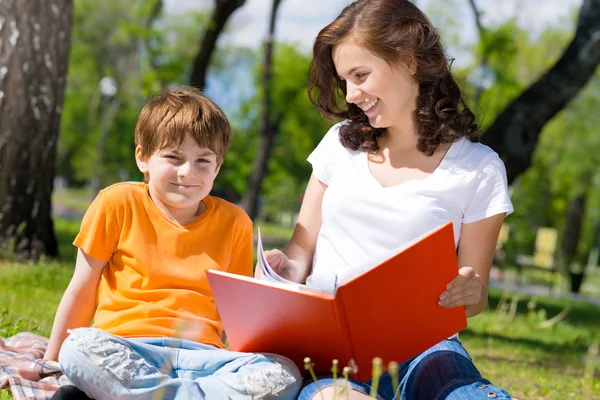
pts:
[360, 76]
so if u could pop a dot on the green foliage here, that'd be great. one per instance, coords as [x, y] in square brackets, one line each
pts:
[111, 39]
[300, 130]
[563, 167]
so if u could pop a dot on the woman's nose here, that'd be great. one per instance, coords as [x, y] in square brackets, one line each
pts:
[352, 92]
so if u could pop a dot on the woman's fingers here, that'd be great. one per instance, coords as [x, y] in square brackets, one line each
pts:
[276, 259]
[463, 290]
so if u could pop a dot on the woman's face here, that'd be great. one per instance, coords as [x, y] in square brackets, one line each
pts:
[386, 94]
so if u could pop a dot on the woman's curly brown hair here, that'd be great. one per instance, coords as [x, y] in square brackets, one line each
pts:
[398, 32]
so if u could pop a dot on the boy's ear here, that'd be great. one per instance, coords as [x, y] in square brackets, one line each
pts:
[140, 160]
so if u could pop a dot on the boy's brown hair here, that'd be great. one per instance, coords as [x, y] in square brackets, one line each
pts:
[164, 121]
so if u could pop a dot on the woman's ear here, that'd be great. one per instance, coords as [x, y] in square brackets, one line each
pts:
[412, 66]
[141, 161]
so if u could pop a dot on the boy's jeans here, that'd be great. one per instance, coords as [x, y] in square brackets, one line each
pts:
[442, 372]
[105, 366]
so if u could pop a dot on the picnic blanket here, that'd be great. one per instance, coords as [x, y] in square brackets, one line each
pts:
[23, 370]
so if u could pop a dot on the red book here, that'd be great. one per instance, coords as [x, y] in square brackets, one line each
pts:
[389, 311]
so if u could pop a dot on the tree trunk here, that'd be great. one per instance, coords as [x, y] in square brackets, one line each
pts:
[222, 12]
[514, 133]
[270, 125]
[571, 239]
[35, 38]
[479, 88]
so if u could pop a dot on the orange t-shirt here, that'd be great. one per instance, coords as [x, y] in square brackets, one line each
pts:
[154, 284]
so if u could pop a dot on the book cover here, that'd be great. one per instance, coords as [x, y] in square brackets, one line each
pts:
[389, 310]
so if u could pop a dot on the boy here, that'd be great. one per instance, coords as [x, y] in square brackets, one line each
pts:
[140, 272]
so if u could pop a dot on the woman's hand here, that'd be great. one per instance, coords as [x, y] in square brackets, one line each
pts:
[282, 265]
[277, 260]
[465, 289]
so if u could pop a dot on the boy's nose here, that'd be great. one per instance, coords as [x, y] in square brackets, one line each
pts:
[185, 169]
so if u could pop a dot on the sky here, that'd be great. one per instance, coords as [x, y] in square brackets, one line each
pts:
[300, 20]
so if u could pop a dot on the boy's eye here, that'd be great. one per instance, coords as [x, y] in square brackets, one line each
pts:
[203, 160]
[171, 156]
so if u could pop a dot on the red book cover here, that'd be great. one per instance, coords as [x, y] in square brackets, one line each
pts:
[388, 311]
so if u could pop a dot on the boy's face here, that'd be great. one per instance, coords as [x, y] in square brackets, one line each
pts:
[180, 178]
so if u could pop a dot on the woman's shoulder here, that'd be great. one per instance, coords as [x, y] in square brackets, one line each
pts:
[474, 155]
[330, 144]
[333, 134]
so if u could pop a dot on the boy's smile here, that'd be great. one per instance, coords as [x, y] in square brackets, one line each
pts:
[180, 178]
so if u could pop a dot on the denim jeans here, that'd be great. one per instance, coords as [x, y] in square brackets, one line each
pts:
[444, 371]
[105, 366]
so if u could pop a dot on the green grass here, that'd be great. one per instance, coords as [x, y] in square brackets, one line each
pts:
[5, 395]
[514, 353]
[77, 200]
[530, 360]
[509, 346]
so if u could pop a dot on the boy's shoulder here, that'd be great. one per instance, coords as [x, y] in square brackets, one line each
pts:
[227, 212]
[125, 191]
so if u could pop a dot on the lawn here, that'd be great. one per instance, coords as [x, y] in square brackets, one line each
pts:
[515, 343]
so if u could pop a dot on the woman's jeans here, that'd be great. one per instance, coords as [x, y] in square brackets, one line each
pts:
[105, 366]
[444, 371]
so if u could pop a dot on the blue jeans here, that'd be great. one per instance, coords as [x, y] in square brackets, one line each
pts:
[444, 371]
[105, 366]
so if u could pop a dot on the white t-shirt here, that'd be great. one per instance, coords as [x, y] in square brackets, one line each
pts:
[361, 220]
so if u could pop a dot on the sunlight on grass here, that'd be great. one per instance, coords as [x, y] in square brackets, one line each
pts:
[5, 395]
[74, 199]
[532, 360]
[511, 342]
[29, 296]
[276, 233]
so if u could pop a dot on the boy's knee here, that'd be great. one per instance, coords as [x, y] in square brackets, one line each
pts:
[73, 347]
[279, 379]
[89, 349]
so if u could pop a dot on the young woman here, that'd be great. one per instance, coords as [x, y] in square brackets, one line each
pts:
[404, 160]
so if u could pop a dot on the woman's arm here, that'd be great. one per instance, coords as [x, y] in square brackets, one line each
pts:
[295, 262]
[475, 252]
[78, 304]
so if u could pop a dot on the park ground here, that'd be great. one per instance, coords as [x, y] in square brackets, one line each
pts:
[536, 347]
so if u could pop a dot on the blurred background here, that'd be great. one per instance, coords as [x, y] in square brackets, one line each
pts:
[75, 73]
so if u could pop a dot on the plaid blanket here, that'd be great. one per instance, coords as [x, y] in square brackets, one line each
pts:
[24, 371]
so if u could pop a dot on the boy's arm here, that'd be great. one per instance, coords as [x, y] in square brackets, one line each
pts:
[78, 304]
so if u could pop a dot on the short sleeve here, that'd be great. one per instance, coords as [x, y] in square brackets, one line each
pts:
[324, 156]
[100, 229]
[488, 193]
[242, 256]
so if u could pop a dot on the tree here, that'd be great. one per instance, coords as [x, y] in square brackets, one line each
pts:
[300, 128]
[514, 133]
[270, 123]
[221, 13]
[35, 39]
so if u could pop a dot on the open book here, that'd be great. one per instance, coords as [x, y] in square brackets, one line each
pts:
[389, 309]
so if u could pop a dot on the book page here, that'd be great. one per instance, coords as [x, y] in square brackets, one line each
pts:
[269, 275]
[355, 272]
[266, 272]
